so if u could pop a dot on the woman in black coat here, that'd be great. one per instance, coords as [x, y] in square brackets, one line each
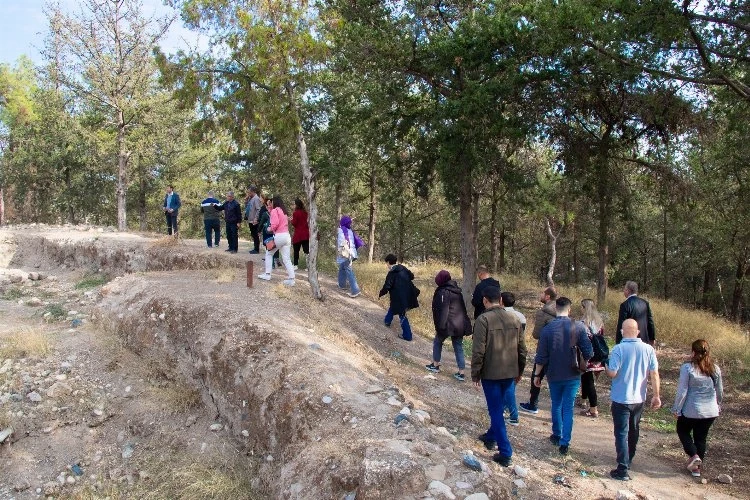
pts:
[451, 320]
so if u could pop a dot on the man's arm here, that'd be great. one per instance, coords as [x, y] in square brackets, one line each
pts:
[613, 364]
[656, 399]
[621, 317]
[478, 348]
[651, 328]
[538, 324]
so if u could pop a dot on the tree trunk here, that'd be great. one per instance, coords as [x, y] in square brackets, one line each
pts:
[576, 271]
[468, 236]
[142, 204]
[665, 270]
[501, 249]
[308, 181]
[68, 195]
[553, 253]
[740, 275]
[475, 222]
[602, 268]
[644, 268]
[2, 206]
[493, 228]
[373, 208]
[709, 286]
[122, 170]
[337, 205]
[401, 227]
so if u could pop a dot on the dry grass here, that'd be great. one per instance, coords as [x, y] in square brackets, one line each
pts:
[24, 343]
[166, 241]
[198, 481]
[178, 396]
[6, 420]
[225, 275]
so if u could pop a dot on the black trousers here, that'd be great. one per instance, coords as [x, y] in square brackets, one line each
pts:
[232, 236]
[305, 245]
[698, 427]
[588, 388]
[171, 222]
[534, 399]
[254, 234]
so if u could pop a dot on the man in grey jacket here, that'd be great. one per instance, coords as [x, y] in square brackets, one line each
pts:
[252, 211]
[498, 359]
[546, 314]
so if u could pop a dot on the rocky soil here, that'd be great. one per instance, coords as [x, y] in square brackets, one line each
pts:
[162, 364]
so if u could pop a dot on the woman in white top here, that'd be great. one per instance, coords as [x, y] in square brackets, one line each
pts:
[696, 404]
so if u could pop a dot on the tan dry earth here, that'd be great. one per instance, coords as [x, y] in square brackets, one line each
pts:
[302, 388]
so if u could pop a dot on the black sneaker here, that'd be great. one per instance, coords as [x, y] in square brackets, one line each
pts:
[459, 376]
[563, 449]
[504, 461]
[529, 408]
[431, 367]
[554, 440]
[619, 474]
[490, 444]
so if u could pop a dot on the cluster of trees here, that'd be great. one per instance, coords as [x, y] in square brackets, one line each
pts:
[577, 141]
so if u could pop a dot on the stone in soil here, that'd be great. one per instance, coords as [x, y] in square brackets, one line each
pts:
[34, 397]
[625, 495]
[519, 483]
[441, 489]
[724, 479]
[520, 471]
[216, 427]
[436, 473]
[327, 400]
[477, 496]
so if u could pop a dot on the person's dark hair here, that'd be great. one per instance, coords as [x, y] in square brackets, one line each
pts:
[170, 186]
[278, 203]
[253, 189]
[632, 287]
[550, 292]
[562, 304]
[298, 204]
[702, 358]
[508, 299]
[391, 259]
[492, 294]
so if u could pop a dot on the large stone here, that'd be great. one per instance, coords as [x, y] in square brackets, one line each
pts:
[441, 490]
[724, 479]
[387, 474]
[520, 471]
[34, 397]
[436, 473]
[5, 433]
[477, 496]
[59, 389]
[625, 495]
[422, 416]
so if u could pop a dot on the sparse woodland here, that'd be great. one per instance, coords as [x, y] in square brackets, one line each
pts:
[573, 142]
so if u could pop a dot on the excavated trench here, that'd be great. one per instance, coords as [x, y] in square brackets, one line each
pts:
[312, 408]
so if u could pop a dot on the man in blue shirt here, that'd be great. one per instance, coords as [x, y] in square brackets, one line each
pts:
[554, 356]
[172, 205]
[631, 362]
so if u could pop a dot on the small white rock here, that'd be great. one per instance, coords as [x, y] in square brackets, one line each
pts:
[461, 485]
[477, 496]
[246, 433]
[519, 483]
[724, 479]
[405, 411]
[441, 489]
[216, 427]
[520, 471]
[327, 400]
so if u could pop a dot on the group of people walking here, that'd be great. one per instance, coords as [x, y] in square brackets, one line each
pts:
[570, 354]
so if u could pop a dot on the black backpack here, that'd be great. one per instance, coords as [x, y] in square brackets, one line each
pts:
[601, 349]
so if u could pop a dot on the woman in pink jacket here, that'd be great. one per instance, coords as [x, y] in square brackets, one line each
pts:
[281, 238]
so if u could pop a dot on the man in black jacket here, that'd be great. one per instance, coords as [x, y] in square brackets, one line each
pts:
[485, 280]
[403, 294]
[233, 218]
[638, 309]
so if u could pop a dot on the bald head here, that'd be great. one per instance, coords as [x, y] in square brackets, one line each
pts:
[629, 329]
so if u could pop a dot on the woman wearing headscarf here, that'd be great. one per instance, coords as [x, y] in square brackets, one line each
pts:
[696, 403]
[347, 244]
[451, 320]
[594, 326]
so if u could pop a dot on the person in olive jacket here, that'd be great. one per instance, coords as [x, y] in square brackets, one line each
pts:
[451, 321]
[498, 359]
[403, 294]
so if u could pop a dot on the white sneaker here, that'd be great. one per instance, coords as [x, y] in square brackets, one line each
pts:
[289, 282]
[265, 276]
[693, 463]
[295, 267]
[354, 295]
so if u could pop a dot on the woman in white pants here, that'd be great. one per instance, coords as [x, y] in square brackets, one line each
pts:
[282, 239]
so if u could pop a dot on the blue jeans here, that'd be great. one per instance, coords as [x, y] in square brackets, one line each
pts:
[405, 326]
[510, 402]
[496, 392]
[346, 273]
[563, 396]
[626, 420]
[458, 347]
[215, 226]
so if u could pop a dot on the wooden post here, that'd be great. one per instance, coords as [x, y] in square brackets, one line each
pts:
[249, 266]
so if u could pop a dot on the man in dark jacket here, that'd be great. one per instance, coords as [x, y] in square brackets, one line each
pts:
[172, 206]
[451, 321]
[211, 219]
[638, 309]
[403, 293]
[545, 315]
[554, 353]
[485, 280]
[498, 359]
[233, 219]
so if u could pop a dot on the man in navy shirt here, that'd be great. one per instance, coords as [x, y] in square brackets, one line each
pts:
[172, 205]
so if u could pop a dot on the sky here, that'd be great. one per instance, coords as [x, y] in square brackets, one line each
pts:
[23, 27]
